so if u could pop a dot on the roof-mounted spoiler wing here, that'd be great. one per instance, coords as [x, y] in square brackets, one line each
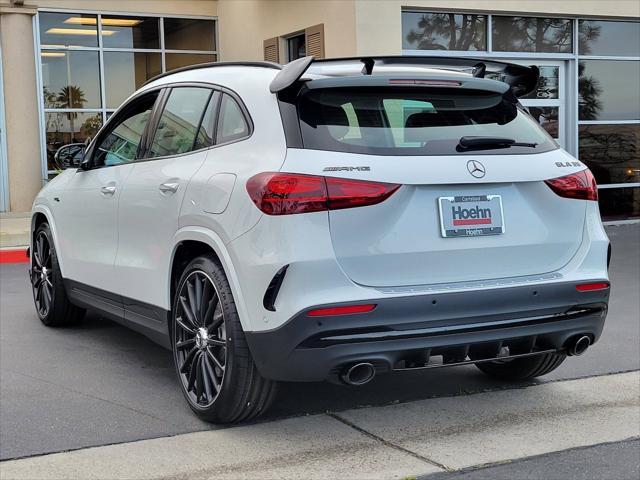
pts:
[522, 79]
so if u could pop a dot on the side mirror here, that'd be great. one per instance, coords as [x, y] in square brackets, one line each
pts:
[69, 156]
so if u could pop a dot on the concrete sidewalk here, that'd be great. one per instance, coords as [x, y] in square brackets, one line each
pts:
[14, 229]
[394, 441]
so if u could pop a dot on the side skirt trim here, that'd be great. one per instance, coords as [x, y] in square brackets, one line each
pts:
[149, 320]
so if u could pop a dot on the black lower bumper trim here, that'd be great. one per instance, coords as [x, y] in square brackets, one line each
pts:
[526, 319]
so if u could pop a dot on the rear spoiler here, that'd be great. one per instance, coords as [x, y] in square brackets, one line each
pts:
[521, 79]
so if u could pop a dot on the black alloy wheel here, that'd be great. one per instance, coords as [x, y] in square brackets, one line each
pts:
[49, 295]
[200, 339]
[218, 376]
[41, 274]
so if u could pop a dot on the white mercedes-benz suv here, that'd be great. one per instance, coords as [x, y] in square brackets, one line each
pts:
[328, 220]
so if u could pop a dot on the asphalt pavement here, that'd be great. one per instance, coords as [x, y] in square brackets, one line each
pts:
[98, 383]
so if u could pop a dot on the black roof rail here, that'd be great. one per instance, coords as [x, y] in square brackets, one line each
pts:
[197, 66]
[521, 79]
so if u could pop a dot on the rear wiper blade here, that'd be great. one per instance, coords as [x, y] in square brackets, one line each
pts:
[480, 143]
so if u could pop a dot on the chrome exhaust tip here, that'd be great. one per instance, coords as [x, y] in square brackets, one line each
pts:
[358, 374]
[579, 345]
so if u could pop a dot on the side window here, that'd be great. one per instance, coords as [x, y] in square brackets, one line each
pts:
[120, 145]
[232, 124]
[180, 121]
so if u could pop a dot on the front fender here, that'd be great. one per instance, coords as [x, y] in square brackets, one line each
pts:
[46, 211]
[213, 240]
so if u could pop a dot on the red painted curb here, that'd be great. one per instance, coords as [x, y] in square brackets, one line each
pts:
[14, 256]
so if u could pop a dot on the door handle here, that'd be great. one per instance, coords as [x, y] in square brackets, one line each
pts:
[169, 187]
[108, 190]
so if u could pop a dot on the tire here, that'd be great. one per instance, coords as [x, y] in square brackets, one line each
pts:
[523, 368]
[49, 295]
[216, 372]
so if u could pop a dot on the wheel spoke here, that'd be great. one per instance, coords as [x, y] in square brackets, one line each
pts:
[211, 371]
[187, 360]
[187, 311]
[46, 295]
[185, 343]
[36, 257]
[39, 296]
[214, 359]
[207, 378]
[37, 280]
[40, 245]
[193, 306]
[216, 341]
[46, 253]
[215, 312]
[192, 374]
[185, 327]
[205, 301]
[197, 286]
[218, 318]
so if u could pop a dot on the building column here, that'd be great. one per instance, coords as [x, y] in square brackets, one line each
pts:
[21, 99]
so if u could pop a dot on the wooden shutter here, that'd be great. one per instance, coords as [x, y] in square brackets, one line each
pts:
[314, 40]
[272, 50]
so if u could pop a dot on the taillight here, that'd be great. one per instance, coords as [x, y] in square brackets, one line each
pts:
[590, 287]
[580, 185]
[290, 193]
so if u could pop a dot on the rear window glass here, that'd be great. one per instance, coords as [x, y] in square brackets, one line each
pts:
[414, 121]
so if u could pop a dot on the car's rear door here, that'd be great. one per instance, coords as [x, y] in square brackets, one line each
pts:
[150, 204]
[87, 209]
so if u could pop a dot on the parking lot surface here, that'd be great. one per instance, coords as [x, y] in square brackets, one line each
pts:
[99, 383]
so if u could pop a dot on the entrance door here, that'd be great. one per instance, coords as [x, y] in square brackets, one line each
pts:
[547, 103]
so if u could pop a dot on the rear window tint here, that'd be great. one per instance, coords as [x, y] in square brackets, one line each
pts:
[413, 121]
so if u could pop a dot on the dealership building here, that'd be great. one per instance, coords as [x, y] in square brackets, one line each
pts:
[66, 65]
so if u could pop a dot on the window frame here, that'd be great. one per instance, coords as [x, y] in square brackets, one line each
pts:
[116, 120]
[243, 111]
[154, 119]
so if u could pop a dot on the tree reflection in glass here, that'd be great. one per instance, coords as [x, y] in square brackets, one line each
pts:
[444, 31]
[532, 34]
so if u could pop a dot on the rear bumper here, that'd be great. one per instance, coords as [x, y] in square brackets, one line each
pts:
[525, 318]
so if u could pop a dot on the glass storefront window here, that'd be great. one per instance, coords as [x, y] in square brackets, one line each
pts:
[72, 51]
[612, 152]
[547, 117]
[532, 34]
[609, 38]
[70, 79]
[619, 203]
[131, 32]
[443, 31]
[189, 34]
[63, 128]
[177, 60]
[548, 83]
[608, 90]
[125, 72]
[69, 30]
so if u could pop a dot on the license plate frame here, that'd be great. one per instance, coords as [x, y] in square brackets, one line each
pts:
[482, 224]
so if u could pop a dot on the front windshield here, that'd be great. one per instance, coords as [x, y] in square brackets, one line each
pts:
[395, 121]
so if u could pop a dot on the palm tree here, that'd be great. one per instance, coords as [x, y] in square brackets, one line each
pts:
[71, 97]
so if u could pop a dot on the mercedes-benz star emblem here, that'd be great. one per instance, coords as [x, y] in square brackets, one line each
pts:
[475, 168]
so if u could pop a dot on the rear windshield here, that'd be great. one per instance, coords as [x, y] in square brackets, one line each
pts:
[415, 121]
